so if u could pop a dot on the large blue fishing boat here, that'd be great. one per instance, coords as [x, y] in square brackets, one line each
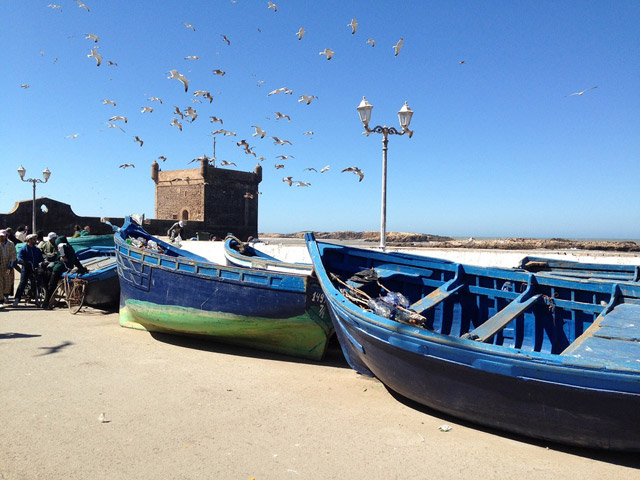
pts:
[552, 358]
[167, 289]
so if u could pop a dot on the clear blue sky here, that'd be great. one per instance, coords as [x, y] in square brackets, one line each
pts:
[499, 149]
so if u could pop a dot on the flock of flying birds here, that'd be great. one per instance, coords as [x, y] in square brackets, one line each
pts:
[190, 114]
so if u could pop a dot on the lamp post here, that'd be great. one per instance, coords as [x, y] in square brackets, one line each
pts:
[404, 116]
[45, 174]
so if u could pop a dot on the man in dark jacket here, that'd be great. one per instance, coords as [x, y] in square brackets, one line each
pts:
[67, 261]
[29, 257]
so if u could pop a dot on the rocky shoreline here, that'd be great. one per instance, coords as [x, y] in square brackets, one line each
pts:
[402, 239]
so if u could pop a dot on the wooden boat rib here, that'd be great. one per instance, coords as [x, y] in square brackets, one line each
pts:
[176, 291]
[552, 358]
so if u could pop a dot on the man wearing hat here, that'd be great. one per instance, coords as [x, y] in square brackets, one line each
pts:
[8, 259]
[29, 257]
[49, 249]
[175, 230]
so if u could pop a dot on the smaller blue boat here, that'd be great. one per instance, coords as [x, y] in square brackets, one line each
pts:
[567, 268]
[549, 357]
[103, 287]
[243, 254]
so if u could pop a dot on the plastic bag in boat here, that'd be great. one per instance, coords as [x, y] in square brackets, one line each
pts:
[396, 298]
[380, 307]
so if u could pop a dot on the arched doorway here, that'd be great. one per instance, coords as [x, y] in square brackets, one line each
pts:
[185, 215]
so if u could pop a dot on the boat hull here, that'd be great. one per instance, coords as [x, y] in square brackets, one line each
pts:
[273, 312]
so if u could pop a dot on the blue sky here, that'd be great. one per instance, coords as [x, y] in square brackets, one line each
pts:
[500, 148]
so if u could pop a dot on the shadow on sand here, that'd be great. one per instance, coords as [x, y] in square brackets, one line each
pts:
[10, 335]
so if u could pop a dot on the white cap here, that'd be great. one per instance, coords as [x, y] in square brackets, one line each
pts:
[30, 236]
[52, 235]
[181, 223]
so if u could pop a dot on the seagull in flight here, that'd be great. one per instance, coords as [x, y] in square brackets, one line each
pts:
[115, 118]
[307, 98]
[280, 116]
[259, 132]
[273, 5]
[308, 133]
[303, 184]
[277, 141]
[146, 109]
[217, 71]
[328, 52]
[25, 86]
[203, 93]
[310, 169]
[278, 167]
[75, 135]
[326, 168]
[353, 25]
[94, 53]
[178, 112]
[355, 170]
[55, 7]
[137, 139]
[191, 57]
[106, 101]
[398, 46]
[178, 76]
[371, 42]
[248, 195]
[284, 157]
[113, 125]
[176, 123]
[91, 36]
[82, 5]
[127, 165]
[224, 163]
[276, 91]
[582, 92]
[224, 37]
[163, 158]
[155, 99]
[112, 64]
[188, 25]
[288, 180]
[300, 33]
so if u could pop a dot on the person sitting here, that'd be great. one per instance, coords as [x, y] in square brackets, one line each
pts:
[29, 257]
[49, 249]
[40, 239]
[67, 261]
[85, 231]
[176, 230]
[76, 231]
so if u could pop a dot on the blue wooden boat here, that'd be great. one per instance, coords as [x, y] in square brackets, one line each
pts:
[243, 254]
[103, 287]
[552, 358]
[170, 290]
[567, 268]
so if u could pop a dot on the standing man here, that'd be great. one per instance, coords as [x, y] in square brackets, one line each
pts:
[29, 257]
[66, 262]
[8, 259]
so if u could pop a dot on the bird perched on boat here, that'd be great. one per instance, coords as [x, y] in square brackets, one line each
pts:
[163, 158]
[300, 33]
[94, 53]
[217, 71]
[191, 113]
[111, 64]
[277, 141]
[188, 25]
[177, 111]
[353, 25]
[398, 46]
[203, 93]
[355, 170]
[326, 168]
[273, 5]
[224, 37]
[82, 5]
[146, 110]
[306, 98]
[278, 166]
[113, 125]
[582, 92]
[288, 180]
[215, 119]
[281, 116]
[224, 163]
[138, 139]
[127, 165]
[155, 99]
[303, 184]
[310, 169]
[91, 36]
[248, 195]
[284, 157]
[116, 118]
[328, 53]
[176, 123]
[178, 76]
[191, 57]
[106, 101]
[371, 42]
[259, 132]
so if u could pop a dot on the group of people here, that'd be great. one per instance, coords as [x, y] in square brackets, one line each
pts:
[52, 253]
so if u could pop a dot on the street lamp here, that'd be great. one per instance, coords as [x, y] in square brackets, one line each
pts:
[46, 173]
[404, 116]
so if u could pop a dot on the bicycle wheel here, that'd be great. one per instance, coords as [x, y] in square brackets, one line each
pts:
[58, 294]
[75, 297]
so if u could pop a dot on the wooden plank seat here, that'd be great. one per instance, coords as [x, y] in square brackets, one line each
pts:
[440, 294]
[501, 319]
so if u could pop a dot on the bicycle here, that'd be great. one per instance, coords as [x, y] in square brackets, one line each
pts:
[35, 290]
[71, 290]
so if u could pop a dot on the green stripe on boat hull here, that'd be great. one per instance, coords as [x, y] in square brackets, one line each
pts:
[298, 336]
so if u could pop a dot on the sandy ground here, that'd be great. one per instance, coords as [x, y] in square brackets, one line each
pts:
[181, 408]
